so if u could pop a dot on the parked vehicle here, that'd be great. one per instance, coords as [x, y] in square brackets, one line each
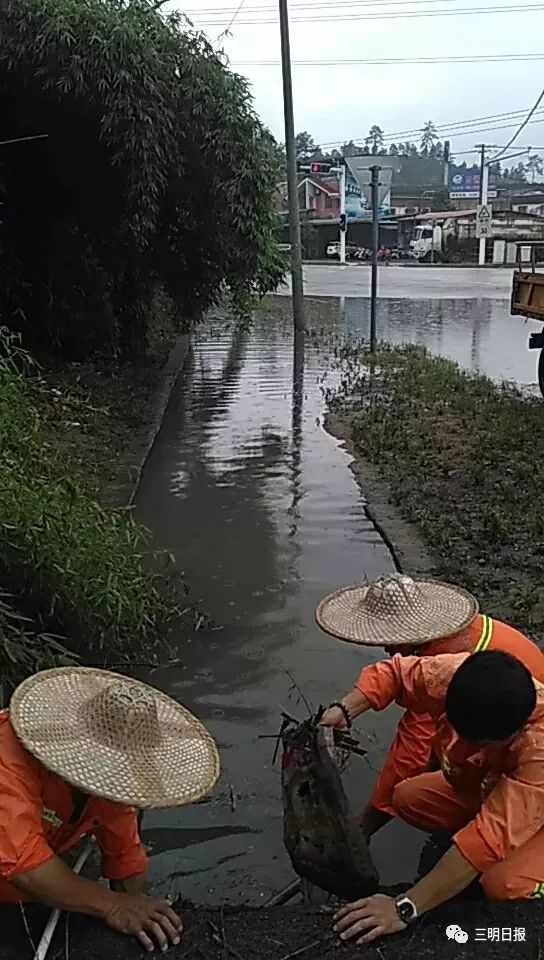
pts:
[528, 301]
[333, 250]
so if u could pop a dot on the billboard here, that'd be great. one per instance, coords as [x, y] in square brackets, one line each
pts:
[465, 184]
[358, 207]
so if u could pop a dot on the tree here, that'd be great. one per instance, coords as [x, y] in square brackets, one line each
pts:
[393, 150]
[352, 150]
[157, 177]
[305, 145]
[534, 166]
[440, 199]
[374, 140]
[428, 137]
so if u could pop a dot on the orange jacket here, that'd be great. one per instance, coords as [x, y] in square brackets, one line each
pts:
[36, 810]
[487, 634]
[411, 750]
[510, 777]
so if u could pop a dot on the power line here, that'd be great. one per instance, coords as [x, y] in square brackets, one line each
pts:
[522, 126]
[385, 61]
[328, 5]
[463, 132]
[445, 128]
[235, 14]
[398, 15]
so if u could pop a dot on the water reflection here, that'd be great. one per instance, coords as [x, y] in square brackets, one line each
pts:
[261, 511]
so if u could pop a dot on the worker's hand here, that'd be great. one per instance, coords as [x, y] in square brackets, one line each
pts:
[152, 922]
[366, 920]
[334, 717]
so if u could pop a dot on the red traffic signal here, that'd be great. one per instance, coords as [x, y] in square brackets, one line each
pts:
[320, 167]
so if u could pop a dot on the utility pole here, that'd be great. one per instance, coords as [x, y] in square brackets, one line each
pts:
[374, 184]
[297, 290]
[446, 160]
[343, 224]
[484, 181]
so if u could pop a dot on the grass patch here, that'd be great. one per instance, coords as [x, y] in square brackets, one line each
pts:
[464, 461]
[79, 567]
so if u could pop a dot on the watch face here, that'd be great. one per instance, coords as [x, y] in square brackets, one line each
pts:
[406, 910]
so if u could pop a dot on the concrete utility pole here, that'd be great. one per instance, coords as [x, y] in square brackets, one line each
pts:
[343, 213]
[484, 182]
[374, 184]
[297, 290]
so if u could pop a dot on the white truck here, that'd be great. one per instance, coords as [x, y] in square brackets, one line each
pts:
[452, 239]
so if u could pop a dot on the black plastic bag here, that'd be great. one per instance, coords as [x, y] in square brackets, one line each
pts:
[323, 839]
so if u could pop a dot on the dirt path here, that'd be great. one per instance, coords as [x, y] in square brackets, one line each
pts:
[295, 934]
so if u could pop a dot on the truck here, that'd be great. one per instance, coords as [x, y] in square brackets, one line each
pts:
[445, 241]
[452, 238]
[528, 300]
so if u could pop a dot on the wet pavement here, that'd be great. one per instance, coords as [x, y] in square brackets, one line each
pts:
[353, 280]
[259, 507]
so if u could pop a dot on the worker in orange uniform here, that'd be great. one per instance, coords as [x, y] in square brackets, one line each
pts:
[80, 750]
[488, 793]
[426, 618]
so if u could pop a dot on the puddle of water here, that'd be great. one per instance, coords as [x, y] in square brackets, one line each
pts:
[259, 507]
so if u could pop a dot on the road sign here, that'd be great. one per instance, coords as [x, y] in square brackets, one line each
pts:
[360, 171]
[484, 216]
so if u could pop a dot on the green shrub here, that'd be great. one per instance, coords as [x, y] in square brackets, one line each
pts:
[79, 566]
[23, 650]
[463, 460]
[156, 174]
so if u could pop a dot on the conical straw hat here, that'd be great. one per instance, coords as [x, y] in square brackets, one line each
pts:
[395, 611]
[114, 737]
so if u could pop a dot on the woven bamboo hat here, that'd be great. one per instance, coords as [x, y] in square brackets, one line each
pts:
[114, 737]
[395, 611]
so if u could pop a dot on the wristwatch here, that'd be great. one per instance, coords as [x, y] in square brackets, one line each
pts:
[406, 910]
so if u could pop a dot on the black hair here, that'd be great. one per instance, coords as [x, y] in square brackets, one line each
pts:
[490, 697]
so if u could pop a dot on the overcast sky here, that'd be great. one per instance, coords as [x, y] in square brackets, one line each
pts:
[337, 103]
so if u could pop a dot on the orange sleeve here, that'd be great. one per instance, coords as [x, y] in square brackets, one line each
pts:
[417, 683]
[23, 845]
[119, 841]
[512, 813]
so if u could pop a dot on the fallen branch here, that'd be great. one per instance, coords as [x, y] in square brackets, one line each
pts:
[220, 940]
[298, 953]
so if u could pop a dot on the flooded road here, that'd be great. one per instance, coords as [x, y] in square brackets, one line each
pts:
[259, 507]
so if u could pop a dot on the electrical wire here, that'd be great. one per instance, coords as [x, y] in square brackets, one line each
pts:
[397, 15]
[385, 61]
[226, 11]
[521, 127]
[443, 128]
[227, 30]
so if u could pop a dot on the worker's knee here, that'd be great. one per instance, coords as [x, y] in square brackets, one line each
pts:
[403, 798]
[499, 883]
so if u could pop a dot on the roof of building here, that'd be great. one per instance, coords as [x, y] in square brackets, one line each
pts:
[439, 215]
[331, 188]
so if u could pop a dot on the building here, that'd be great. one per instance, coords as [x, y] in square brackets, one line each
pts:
[318, 198]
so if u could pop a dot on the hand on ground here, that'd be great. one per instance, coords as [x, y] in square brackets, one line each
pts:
[152, 922]
[366, 920]
[333, 717]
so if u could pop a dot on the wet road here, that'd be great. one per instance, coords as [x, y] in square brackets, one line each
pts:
[353, 280]
[260, 509]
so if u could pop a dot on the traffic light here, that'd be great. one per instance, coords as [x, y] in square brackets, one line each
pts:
[342, 222]
[320, 167]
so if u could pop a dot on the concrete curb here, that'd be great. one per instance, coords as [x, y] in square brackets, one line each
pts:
[408, 549]
[167, 378]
